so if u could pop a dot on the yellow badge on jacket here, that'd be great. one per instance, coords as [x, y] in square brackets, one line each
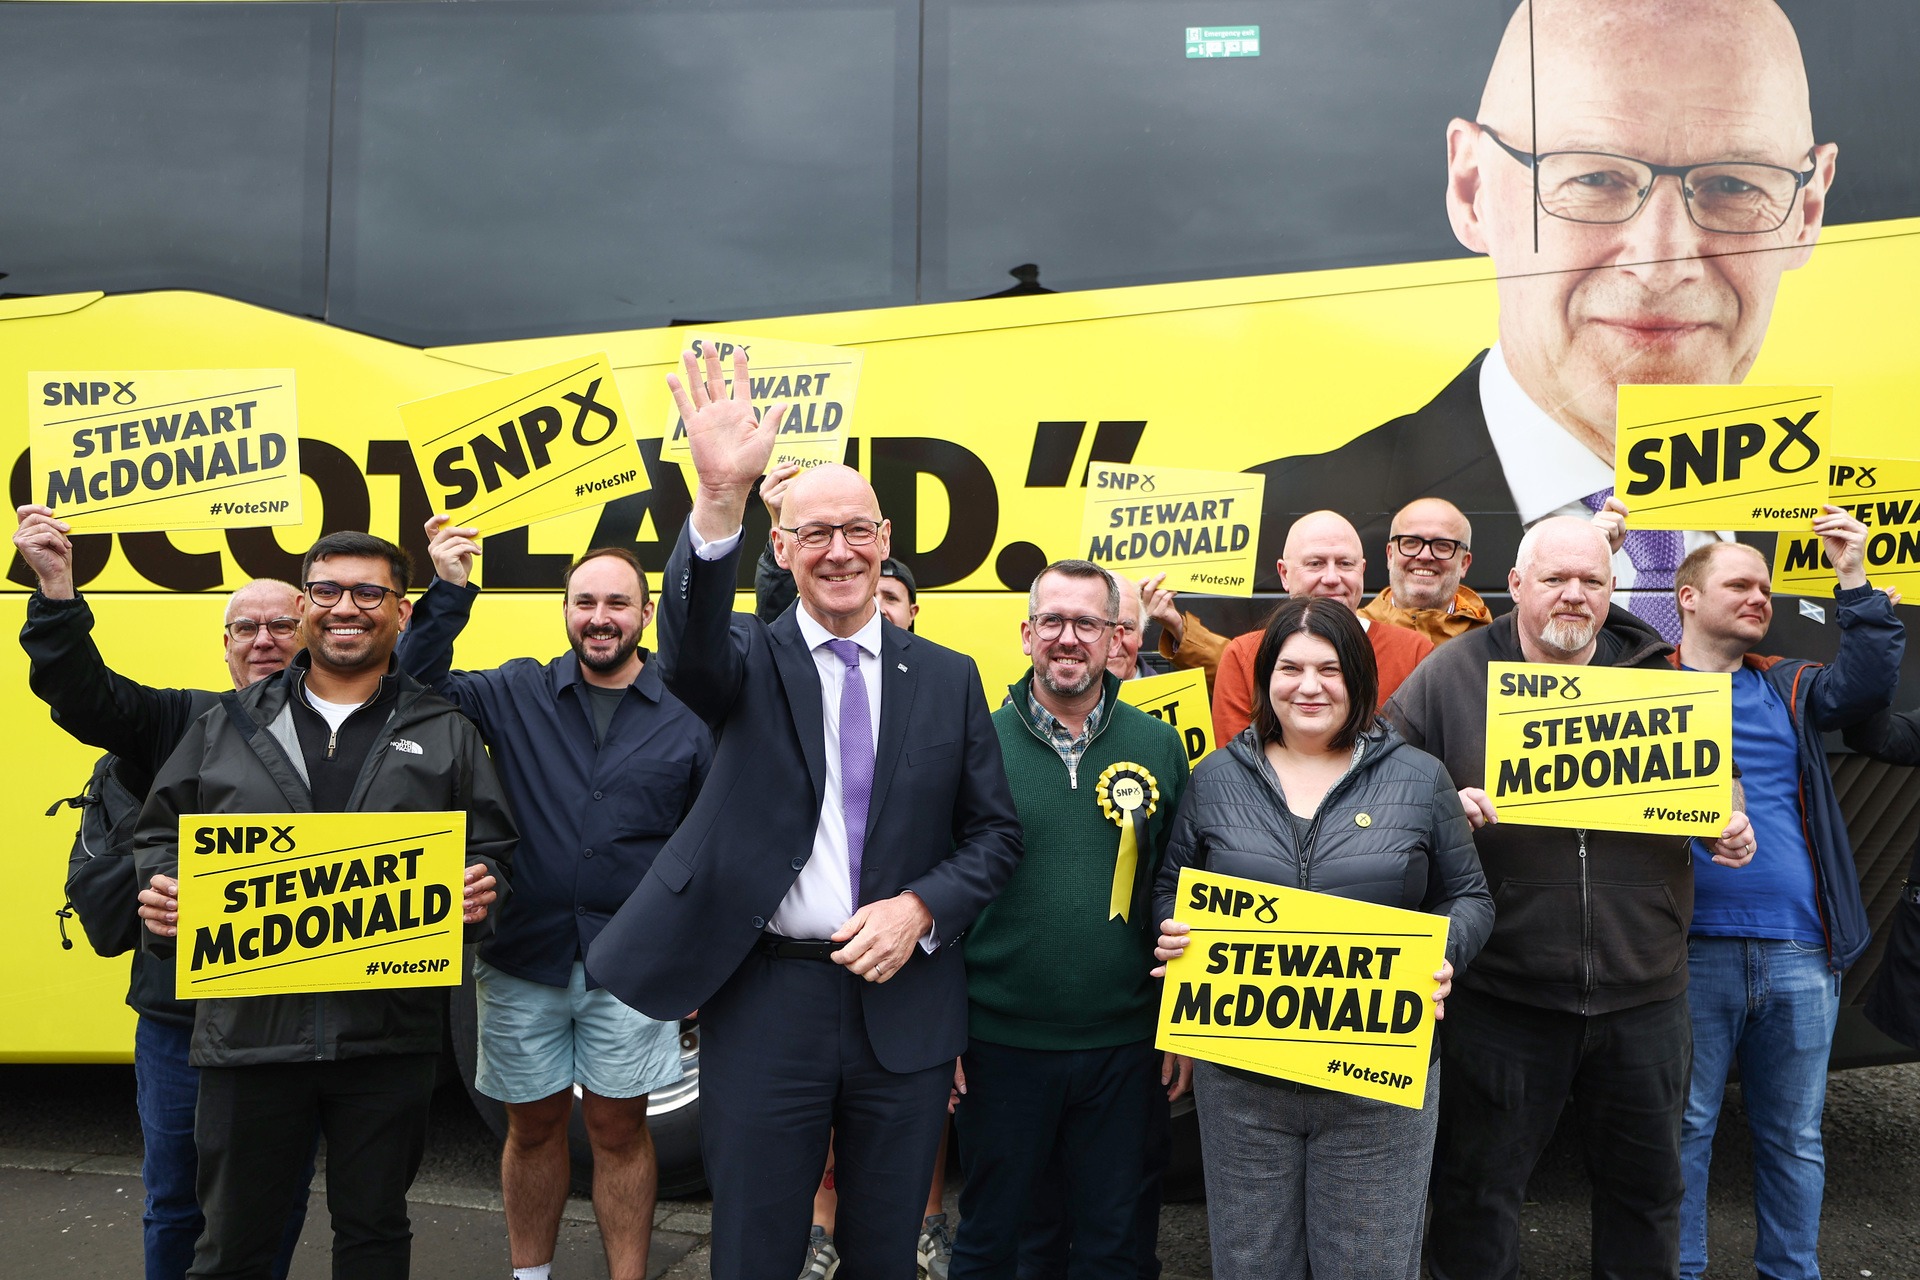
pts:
[1128, 794]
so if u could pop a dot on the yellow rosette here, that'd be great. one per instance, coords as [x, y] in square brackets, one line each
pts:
[1128, 795]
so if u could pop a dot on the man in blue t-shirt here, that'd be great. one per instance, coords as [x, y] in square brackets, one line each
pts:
[1769, 942]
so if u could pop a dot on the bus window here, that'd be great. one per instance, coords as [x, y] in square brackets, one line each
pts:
[514, 169]
[166, 147]
[1082, 138]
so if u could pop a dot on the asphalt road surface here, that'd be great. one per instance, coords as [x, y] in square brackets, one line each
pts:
[78, 1224]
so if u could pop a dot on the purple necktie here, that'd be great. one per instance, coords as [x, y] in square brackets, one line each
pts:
[856, 758]
[1654, 554]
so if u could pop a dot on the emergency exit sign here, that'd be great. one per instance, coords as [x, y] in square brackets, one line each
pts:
[1223, 42]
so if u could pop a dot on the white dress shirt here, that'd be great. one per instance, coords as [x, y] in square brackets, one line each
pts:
[1548, 471]
[821, 899]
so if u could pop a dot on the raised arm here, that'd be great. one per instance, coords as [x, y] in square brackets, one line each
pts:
[440, 615]
[701, 656]
[1862, 677]
[95, 704]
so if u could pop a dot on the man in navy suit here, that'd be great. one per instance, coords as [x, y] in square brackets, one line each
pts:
[855, 822]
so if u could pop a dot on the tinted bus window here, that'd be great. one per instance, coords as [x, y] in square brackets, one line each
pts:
[1081, 138]
[512, 169]
[165, 147]
[1077, 135]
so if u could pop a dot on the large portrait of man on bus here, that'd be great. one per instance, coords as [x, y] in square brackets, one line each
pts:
[1641, 182]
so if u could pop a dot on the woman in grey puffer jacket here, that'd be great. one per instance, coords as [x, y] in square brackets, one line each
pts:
[1319, 795]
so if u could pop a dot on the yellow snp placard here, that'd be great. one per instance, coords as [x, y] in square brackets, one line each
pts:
[273, 903]
[1180, 699]
[1884, 495]
[1610, 748]
[1200, 528]
[816, 383]
[1722, 457]
[1304, 986]
[528, 447]
[131, 451]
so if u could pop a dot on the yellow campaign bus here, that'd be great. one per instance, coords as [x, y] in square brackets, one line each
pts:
[1271, 236]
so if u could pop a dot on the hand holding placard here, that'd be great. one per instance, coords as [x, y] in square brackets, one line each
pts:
[42, 542]
[452, 548]
[1882, 495]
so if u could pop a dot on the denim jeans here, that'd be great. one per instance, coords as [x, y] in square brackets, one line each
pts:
[166, 1089]
[1770, 1006]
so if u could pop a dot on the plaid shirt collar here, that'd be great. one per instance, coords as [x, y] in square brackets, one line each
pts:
[1069, 746]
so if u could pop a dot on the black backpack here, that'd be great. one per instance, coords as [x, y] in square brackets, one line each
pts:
[101, 885]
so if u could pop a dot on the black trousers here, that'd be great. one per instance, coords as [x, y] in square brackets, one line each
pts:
[785, 1065]
[254, 1127]
[1093, 1108]
[1046, 1242]
[1508, 1071]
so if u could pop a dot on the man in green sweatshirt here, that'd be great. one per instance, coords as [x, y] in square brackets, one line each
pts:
[1061, 1012]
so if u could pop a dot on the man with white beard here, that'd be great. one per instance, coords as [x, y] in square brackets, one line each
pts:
[1579, 999]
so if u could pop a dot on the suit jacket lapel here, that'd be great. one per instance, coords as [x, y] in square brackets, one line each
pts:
[898, 680]
[801, 680]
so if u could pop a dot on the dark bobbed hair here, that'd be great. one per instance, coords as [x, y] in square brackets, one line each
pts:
[618, 553]
[1335, 623]
[352, 542]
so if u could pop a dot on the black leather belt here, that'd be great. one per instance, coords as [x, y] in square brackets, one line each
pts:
[772, 944]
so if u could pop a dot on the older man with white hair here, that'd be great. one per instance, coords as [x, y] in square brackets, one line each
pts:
[1579, 998]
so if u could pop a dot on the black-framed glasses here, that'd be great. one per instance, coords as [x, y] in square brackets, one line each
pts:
[1732, 197]
[243, 630]
[858, 533]
[1412, 544]
[1086, 629]
[366, 595]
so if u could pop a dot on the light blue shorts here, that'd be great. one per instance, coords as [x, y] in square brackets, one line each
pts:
[536, 1040]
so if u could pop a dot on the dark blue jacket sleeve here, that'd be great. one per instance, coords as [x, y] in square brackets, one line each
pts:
[702, 655]
[425, 651]
[1861, 678]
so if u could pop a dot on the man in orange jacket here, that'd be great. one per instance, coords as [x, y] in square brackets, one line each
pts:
[1322, 557]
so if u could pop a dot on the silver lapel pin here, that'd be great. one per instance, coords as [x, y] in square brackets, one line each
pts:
[901, 665]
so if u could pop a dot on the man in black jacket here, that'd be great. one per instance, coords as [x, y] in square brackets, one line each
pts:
[1579, 996]
[340, 730]
[139, 727]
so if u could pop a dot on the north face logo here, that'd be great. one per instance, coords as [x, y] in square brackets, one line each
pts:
[407, 745]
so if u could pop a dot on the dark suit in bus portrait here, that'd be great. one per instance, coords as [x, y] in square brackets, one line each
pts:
[1678, 177]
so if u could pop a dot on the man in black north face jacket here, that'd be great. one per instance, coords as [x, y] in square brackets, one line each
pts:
[340, 730]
